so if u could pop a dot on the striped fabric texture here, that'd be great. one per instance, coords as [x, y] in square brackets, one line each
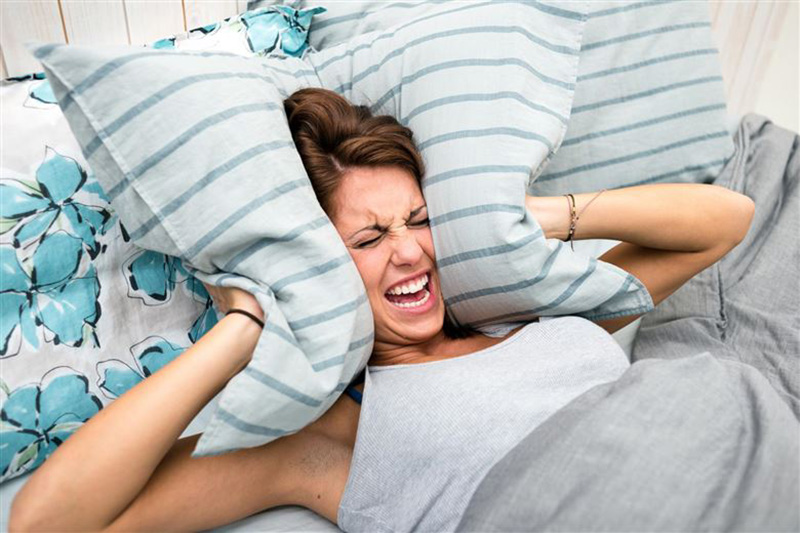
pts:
[486, 87]
[194, 151]
[649, 101]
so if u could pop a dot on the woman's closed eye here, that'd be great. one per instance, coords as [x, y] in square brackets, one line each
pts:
[365, 244]
[421, 223]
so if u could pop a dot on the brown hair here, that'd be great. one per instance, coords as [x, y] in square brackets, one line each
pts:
[333, 136]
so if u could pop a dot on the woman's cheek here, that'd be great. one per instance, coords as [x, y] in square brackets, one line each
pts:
[368, 266]
[427, 243]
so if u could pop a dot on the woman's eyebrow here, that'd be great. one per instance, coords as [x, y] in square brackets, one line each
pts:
[378, 227]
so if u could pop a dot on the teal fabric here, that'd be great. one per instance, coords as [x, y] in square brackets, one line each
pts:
[194, 152]
[72, 275]
[274, 30]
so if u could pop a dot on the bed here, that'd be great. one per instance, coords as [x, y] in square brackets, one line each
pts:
[296, 518]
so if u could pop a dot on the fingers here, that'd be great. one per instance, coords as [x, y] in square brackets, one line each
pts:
[227, 298]
[218, 298]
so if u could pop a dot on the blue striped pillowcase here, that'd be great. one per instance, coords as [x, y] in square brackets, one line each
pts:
[649, 101]
[194, 151]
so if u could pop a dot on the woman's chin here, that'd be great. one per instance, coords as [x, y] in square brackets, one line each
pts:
[416, 327]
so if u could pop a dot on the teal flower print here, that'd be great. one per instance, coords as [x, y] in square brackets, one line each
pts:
[43, 92]
[207, 319]
[40, 95]
[150, 355]
[152, 277]
[45, 292]
[207, 29]
[279, 26]
[35, 419]
[167, 43]
[34, 208]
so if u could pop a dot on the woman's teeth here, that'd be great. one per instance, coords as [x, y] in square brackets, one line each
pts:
[413, 294]
[417, 303]
[411, 287]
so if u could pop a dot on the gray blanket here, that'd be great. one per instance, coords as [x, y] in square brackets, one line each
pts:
[702, 432]
[745, 307]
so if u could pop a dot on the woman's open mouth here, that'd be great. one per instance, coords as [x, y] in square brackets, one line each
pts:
[415, 296]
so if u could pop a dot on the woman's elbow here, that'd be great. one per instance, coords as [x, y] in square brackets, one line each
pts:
[23, 519]
[20, 518]
[733, 224]
[36, 511]
[742, 218]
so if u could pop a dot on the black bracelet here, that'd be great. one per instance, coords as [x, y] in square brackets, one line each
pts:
[251, 315]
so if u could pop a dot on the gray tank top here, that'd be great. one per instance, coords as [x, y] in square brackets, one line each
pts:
[429, 432]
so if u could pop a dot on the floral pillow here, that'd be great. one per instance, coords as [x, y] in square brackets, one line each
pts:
[273, 30]
[84, 313]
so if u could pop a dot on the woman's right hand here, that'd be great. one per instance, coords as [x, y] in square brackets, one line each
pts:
[227, 298]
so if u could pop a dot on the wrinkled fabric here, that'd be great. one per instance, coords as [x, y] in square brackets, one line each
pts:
[649, 101]
[195, 155]
[746, 307]
[692, 444]
[279, 29]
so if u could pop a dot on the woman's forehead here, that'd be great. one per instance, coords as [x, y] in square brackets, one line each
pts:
[377, 196]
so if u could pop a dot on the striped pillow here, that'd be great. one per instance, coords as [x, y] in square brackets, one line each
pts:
[487, 90]
[649, 98]
[194, 151]
[649, 102]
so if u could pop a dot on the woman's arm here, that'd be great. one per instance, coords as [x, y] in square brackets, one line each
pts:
[95, 474]
[670, 231]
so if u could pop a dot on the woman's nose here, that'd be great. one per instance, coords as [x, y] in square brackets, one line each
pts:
[407, 251]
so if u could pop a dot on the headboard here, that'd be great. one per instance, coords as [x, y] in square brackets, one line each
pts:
[745, 31]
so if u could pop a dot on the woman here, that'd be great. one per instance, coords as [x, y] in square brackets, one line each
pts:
[366, 173]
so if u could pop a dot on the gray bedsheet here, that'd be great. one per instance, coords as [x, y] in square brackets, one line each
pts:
[702, 432]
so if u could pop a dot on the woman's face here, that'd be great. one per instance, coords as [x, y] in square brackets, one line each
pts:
[382, 218]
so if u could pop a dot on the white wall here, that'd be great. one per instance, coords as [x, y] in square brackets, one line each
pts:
[779, 95]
